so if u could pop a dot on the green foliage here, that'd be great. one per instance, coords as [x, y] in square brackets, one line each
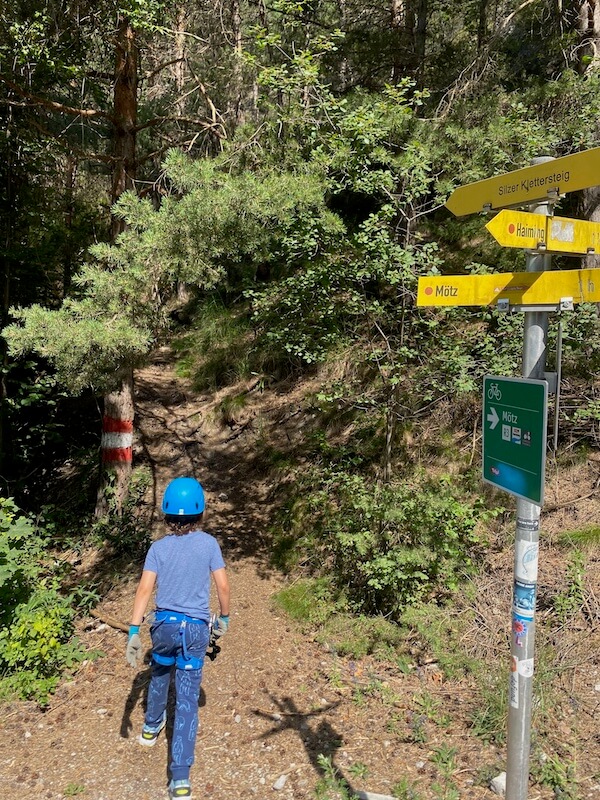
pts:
[386, 547]
[324, 613]
[358, 769]
[583, 538]
[438, 633]
[444, 758]
[558, 774]
[36, 624]
[21, 548]
[124, 530]
[569, 601]
[307, 601]
[331, 785]
[405, 789]
[37, 640]
[31, 410]
[490, 716]
[230, 224]
[218, 349]
[74, 789]
[85, 350]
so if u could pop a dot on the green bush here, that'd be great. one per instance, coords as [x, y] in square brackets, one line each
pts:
[38, 638]
[36, 622]
[385, 547]
[21, 547]
[125, 531]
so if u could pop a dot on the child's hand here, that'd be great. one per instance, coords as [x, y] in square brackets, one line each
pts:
[134, 646]
[221, 626]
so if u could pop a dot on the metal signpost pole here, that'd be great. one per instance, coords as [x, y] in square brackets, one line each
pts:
[526, 565]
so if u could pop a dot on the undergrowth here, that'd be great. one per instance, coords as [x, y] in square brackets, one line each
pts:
[37, 617]
[386, 547]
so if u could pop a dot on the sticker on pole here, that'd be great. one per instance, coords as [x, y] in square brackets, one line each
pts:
[515, 412]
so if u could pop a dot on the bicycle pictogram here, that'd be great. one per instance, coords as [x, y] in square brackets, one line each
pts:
[494, 392]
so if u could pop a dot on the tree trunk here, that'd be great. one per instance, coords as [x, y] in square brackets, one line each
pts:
[117, 424]
[588, 26]
[420, 41]
[344, 66]
[409, 29]
[9, 213]
[116, 446]
[70, 180]
[401, 21]
[180, 55]
[391, 418]
[236, 106]
[482, 23]
[125, 115]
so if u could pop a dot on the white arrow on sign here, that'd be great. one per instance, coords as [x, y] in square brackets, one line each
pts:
[493, 418]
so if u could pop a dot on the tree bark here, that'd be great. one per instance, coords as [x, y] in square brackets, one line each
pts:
[116, 445]
[125, 115]
[420, 41]
[10, 199]
[588, 27]
[482, 23]
[70, 180]
[117, 423]
[236, 108]
[409, 29]
[179, 69]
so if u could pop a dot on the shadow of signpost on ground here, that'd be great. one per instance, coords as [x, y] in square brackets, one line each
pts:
[319, 738]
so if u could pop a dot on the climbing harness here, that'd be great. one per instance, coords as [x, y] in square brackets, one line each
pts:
[184, 660]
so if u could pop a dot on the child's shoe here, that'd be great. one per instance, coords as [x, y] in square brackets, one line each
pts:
[180, 788]
[149, 733]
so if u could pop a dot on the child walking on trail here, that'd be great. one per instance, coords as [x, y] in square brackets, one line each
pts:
[180, 565]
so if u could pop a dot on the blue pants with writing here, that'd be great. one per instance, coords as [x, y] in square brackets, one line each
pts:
[167, 641]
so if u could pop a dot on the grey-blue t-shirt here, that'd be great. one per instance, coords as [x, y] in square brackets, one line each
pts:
[183, 565]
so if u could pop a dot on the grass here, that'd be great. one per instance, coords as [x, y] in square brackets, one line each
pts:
[405, 789]
[439, 633]
[313, 603]
[74, 789]
[583, 538]
[489, 718]
[217, 352]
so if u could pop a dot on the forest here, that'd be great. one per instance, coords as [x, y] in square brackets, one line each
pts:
[257, 185]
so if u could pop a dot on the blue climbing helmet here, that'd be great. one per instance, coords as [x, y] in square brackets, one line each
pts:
[183, 497]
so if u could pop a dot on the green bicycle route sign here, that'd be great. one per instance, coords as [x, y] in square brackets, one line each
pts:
[514, 435]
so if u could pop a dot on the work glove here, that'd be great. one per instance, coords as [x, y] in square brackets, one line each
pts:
[134, 646]
[220, 627]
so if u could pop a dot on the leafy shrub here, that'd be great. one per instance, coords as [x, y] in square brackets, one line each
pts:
[21, 547]
[385, 547]
[37, 641]
[36, 622]
[125, 531]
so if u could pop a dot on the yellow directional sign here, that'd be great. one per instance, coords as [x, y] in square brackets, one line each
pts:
[519, 229]
[528, 185]
[519, 288]
[575, 236]
[548, 234]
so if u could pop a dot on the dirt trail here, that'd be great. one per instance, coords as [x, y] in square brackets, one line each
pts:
[276, 706]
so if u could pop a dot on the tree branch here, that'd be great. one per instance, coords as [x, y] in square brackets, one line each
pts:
[478, 66]
[149, 75]
[36, 100]
[72, 148]
[214, 126]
